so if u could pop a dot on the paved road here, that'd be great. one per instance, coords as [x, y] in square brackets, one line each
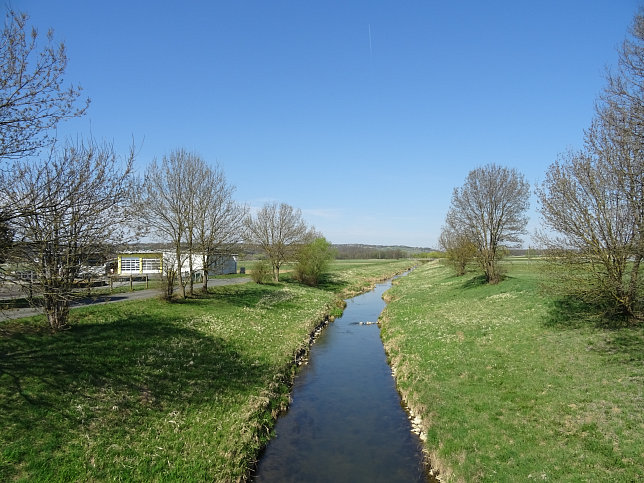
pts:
[112, 298]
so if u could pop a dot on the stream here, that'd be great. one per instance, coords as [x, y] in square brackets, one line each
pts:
[345, 421]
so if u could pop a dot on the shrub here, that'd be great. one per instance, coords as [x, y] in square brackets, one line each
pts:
[261, 271]
[313, 261]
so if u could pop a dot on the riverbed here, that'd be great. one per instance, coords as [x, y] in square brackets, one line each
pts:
[345, 421]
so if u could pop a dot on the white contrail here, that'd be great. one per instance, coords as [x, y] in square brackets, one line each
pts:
[370, 49]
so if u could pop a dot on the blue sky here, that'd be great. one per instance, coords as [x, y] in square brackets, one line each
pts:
[363, 114]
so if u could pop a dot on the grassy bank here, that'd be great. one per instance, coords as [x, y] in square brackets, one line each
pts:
[513, 385]
[152, 391]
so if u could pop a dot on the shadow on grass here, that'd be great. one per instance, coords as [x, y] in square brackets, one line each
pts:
[571, 312]
[327, 282]
[629, 342]
[474, 282]
[247, 295]
[622, 340]
[123, 371]
[19, 303]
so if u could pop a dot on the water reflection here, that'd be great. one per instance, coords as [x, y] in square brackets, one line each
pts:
[345, 422]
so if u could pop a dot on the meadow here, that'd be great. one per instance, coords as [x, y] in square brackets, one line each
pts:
[512, 384]
[149, 390]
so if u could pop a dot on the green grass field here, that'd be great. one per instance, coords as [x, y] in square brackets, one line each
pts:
[148, 390]
[513, 385]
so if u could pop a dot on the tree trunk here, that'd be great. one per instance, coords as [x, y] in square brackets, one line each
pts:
[635, 309]
[192, 283]
[491, 271]
[57, 311]
[204, 287]
[169, 287]
[276, 273]
[460, 268]
[179, 272]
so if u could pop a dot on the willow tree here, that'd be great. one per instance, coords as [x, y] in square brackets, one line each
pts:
[73, 207]
[489, 210]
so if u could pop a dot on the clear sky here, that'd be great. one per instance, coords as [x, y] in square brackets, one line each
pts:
[363, 114]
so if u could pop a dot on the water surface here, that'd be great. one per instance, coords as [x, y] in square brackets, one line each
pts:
[345, 422]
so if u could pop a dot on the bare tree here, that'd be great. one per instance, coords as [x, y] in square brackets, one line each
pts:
[278, 230]
[72, 208]
[169, 270]
[33, 98]
[218, 220]
[163, 204]
[619, 140]
[593, 234]
[592, 200]
[459, 248]
[489, 209]
[189, 203]
[194, 174]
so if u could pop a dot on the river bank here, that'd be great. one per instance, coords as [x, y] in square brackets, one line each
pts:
[145, 390]
[345, 421]
[511, 384]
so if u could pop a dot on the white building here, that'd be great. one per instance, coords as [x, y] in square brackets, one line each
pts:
[152, 263]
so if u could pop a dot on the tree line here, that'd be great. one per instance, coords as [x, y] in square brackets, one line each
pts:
[353, 252]
[591, 202]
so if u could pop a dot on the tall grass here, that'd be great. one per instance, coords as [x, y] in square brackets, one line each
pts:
[515, 385]
[148, 390]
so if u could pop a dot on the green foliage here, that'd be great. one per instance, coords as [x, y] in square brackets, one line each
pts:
[512, 384]
[460, 254]
[313, 261]
[261, 271]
